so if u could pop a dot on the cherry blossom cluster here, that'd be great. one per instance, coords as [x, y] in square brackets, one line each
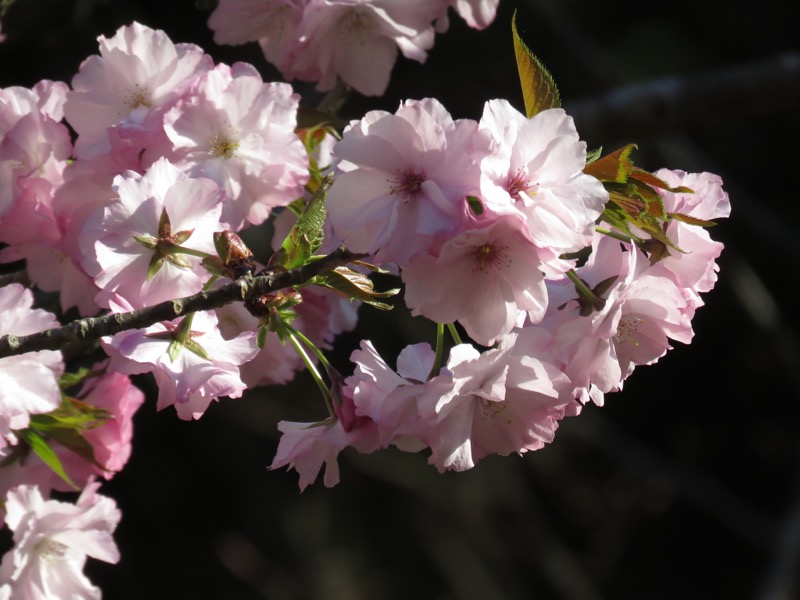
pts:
[169, 150]
[126, 188]
[355, 41]
[481, 219]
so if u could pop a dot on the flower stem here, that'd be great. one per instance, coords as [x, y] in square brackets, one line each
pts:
[454, 333]
[323, 388]
[617, 235]
[437, 361]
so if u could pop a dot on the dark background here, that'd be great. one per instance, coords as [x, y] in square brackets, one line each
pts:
[684, 486]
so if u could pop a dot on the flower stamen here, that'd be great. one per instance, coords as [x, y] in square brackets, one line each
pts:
[223, 146]
[626, 329]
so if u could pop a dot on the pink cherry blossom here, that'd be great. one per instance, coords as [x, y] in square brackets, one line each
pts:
[33, 144]
[34, 230]
[403, 180]
[478, 14]
[121, 241]
[305, 447]
[389, 398]
[52, 541]
[536, 170]
[28, 382]
[321, 316]
[201, 369]
[493, 403]
[641, 314]
[138, 73]
[485, 278]
[693, 268]
[272, 23]
[357, 41]
[111, 441]
[376, 407]
[239, 131]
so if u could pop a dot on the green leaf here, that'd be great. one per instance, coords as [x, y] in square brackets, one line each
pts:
[539, 90]
[593, 155]
[42, 449]
[614, 167]
[75, 442]
[261, 337]
[690, 220]
[354, 286]
[307, 235]
[67, 380]
[174, 350]
[146, 240]
[71, 414]
[156, 262]
[653, 181]
[197, 349]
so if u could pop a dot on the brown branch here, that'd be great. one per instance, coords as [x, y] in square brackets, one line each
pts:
[725, 96]
[93, 328]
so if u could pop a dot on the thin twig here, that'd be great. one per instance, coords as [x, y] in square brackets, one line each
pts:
[93, 328]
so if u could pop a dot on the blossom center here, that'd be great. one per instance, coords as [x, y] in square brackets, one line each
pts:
[136, 97]
[519, 183]
[280, 17]
[489, 256]
[223, 146]
[358, 26]
[409, 183]
[489, 409]
[50, 550]
[627, 328]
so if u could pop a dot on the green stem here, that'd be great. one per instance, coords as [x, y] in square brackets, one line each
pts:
[617, 235]
[317, 352]
[323, 388]
[584, 291]
[210, 282]
[437, 361]
[191, 252]
[454, 333]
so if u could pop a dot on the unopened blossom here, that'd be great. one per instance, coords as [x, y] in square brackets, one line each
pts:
[28, 382]
[131, 247]
[404, 180]
[191, 371]
[535, 170]
[357, 41]
[138, 73]
[239, 131]
[52, 541]
[487, 279]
